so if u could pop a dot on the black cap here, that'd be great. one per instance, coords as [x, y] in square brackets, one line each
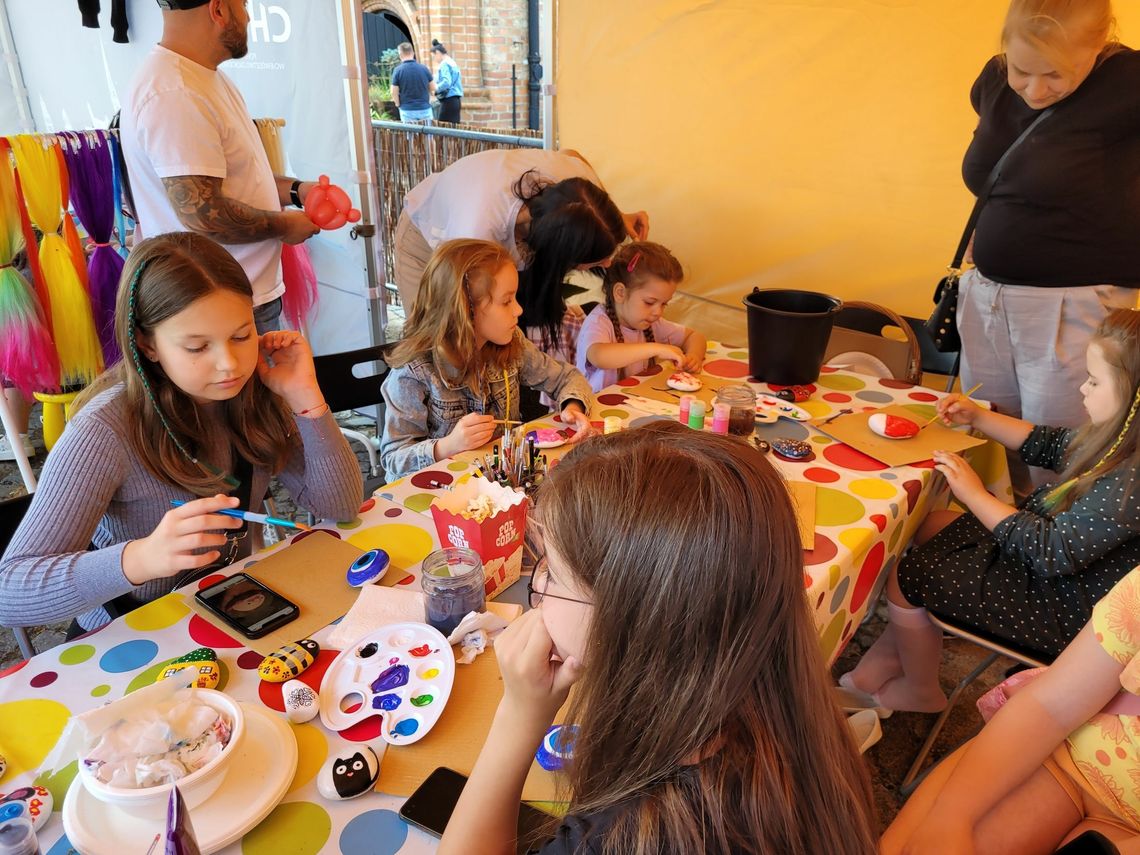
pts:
[181, 4]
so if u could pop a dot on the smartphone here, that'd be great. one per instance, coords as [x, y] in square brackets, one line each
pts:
[247, 605]
[431, 805]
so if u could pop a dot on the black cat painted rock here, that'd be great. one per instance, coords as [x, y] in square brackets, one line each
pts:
[353, 772]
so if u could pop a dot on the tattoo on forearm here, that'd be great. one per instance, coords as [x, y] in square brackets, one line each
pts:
[201, 207]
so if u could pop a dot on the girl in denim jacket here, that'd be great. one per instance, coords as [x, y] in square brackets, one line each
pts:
[457, 372]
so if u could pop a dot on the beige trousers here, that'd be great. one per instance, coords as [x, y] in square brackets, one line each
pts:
[412, 255]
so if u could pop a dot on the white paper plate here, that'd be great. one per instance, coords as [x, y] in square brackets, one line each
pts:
[861, 363]
[258, 778]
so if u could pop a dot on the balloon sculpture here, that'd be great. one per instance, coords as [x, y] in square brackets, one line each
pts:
[328, 206]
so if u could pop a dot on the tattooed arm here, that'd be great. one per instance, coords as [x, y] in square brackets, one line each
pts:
[203, 208]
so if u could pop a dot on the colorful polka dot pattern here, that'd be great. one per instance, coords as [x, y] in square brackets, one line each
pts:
[865, 514]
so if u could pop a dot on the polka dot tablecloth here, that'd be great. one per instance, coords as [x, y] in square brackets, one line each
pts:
[38, 696]
[865, 514]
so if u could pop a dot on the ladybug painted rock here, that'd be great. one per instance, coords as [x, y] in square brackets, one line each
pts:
[208, 672]
[892, 427]
[289, 661]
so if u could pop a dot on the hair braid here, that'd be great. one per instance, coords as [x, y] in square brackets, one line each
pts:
[132, 302]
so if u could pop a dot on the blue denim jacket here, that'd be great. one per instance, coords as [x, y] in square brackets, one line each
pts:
[423, 406]
[448, 83]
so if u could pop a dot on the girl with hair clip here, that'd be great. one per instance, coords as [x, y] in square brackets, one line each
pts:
[199, 408]
[457, 372]
[705, 721]
[621, 336]
[1027, 575]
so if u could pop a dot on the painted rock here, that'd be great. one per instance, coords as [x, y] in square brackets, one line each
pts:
[547, 438]
[683, 381]
[556, 747]
[368, 568]
[208, 672]
[792, 448]
[892, 427]
[350, 775]
[32, 803]
[288, 661]
[200, 654]
[3, 765]
[301, 702]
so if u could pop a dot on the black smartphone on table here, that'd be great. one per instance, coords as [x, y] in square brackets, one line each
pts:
[431, 806]
[248, 606]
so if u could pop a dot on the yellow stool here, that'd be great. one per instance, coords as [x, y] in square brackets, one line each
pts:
[57, 409]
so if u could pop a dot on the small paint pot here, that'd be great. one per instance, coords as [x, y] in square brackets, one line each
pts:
[369, 567]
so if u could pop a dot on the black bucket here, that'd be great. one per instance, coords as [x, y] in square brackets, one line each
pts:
[787, 334]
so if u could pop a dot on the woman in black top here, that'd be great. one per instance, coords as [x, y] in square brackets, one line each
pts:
[1056, 244]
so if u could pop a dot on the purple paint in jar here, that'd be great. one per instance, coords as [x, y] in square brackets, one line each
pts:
[453, 584]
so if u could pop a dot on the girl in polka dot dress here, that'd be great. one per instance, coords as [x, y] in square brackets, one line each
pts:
[1059, 758]
[1027, 576]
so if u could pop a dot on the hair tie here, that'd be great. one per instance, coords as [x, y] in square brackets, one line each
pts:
[633, 262]
[9, 264]
[97, 244]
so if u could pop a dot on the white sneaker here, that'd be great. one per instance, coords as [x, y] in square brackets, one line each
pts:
[7, 453]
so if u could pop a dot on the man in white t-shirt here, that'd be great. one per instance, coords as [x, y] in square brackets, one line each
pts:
[193, 154]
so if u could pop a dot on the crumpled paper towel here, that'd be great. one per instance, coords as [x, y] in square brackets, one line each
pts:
[474, 633]
[377, 606]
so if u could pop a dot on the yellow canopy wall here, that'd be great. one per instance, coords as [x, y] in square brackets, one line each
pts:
[812, 144]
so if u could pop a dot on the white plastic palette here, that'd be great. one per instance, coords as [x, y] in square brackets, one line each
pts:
[768, 409]
[402, 672]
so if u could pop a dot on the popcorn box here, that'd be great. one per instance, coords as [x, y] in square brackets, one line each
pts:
[498, 539]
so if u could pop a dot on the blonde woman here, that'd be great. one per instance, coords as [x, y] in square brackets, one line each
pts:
[1056, 245]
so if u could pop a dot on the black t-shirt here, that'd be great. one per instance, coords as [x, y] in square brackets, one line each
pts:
[581, 835]
[1066, 209]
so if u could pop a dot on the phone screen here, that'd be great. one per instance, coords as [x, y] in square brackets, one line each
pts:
[247, 605]
[431, 806]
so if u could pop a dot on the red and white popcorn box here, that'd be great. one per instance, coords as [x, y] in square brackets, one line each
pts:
[498, 539]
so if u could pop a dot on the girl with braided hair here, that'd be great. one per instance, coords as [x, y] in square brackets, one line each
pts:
[201, 410]
[1026, 575]
[622, 335]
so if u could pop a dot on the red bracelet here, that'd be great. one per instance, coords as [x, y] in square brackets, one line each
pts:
[312, 409]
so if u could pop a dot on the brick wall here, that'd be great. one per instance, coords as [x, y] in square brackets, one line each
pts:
[484, 37]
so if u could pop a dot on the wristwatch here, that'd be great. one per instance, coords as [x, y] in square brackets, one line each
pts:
[295, 195]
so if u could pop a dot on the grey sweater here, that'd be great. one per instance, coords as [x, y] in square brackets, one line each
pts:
[94, 490]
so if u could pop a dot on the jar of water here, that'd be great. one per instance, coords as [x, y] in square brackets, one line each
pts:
[452, 579]
[741, 403]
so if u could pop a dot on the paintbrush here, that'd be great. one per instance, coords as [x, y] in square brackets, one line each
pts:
[966, 394]
[250, 516]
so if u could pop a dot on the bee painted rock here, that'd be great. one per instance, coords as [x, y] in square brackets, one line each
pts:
[892, 427]
[209, 674]
[349, 776]
[301, 701]
[288, 661]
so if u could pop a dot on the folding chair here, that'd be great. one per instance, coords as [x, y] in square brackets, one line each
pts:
[11, 512]
[344, 389]
[859, 330]
[997, 647]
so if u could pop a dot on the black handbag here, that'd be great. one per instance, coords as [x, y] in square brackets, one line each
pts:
[942, 325]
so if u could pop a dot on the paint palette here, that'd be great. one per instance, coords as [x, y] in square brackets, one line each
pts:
[402, 672]
[769, 409]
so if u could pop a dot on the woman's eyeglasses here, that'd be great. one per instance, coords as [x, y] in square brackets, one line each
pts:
[535, 596]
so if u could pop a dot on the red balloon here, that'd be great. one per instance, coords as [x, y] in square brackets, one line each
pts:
[328, 206]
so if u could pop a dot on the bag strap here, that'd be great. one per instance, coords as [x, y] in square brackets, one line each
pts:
[984, 195]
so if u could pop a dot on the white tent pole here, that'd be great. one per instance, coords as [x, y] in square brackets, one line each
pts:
[549, 12]
[360, 134]
[16, 78]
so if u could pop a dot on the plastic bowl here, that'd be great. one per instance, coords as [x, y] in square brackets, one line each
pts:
[195, 787]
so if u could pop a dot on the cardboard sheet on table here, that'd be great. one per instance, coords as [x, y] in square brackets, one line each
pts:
[803, 498]
[650, 387]
[458, 736]
[853, 430]
[310, 573]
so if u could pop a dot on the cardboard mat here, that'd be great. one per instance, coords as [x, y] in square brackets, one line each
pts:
[654, 388]
[458, 736]
[310, 573]
[853, 430]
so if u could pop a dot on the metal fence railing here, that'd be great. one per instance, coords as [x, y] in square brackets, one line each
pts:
[407, 154]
